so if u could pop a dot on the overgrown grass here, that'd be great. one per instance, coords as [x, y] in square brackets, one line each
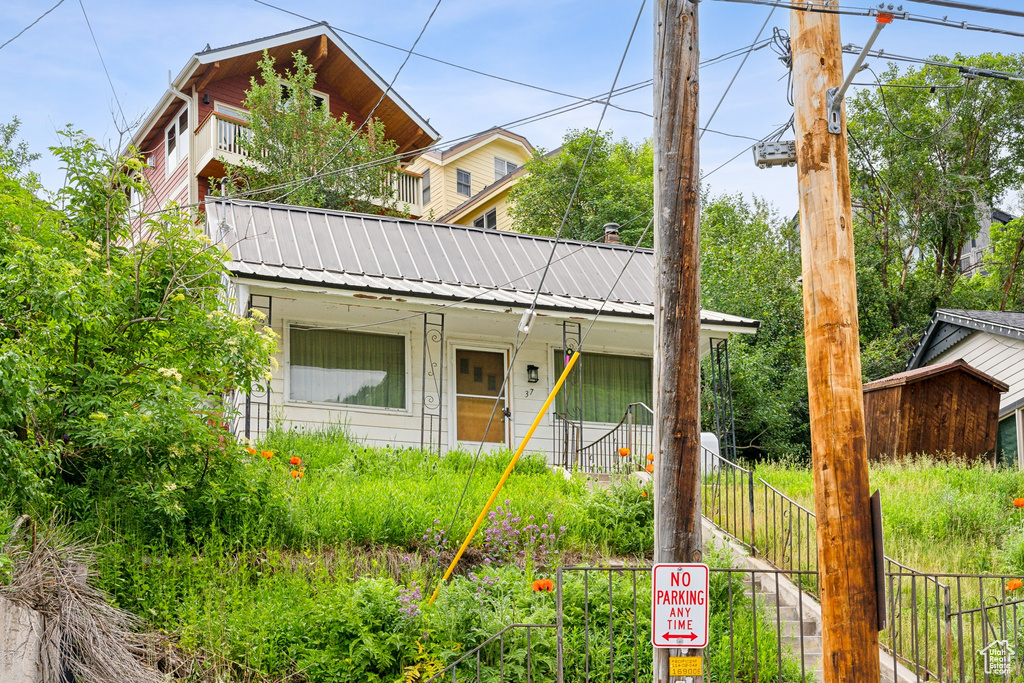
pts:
[361, 495]
[938, 517]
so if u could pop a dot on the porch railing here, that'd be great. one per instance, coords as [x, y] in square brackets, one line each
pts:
[623, 448]
[221, 137]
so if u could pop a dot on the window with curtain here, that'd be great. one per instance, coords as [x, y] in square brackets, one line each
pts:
[610, 384]
[352, 368]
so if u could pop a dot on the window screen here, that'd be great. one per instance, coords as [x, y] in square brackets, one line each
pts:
[610, 383]
[502, 168]
[352, 368]
[426, 186]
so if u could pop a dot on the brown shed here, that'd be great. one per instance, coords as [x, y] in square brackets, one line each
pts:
[950, 408]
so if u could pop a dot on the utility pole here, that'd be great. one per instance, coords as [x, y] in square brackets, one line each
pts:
[677, 516]
[838, 448]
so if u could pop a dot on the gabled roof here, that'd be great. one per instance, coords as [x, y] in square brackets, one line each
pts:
[466, 146]
[350, 69]
[406, 258]
[931, 371]
[950, 326]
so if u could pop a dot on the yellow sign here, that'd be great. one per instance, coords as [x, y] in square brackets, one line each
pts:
[684, 666]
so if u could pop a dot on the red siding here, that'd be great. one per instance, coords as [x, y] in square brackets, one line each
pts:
[162, 186]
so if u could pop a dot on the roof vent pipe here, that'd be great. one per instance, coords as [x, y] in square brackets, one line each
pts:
[611, 233]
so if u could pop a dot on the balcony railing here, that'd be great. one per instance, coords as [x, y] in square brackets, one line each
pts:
[220, 139]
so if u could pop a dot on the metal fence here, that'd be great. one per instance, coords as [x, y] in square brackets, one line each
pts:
[514, 653]
[623, 448]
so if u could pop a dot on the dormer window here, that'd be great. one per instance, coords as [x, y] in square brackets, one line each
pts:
[176, 137]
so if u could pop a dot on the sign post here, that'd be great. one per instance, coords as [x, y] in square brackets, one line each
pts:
[679, 612]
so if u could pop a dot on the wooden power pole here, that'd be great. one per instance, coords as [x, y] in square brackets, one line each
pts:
[838, 448]
[677, 530]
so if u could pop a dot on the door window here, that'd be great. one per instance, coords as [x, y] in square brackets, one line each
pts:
[478, 383]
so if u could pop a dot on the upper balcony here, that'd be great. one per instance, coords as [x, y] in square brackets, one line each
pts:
[220, 138]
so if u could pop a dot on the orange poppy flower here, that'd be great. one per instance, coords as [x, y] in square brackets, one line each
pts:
[295, 460]
[296, 474]
[650, 457]
[546, 585]
[1014, 584]
[624, 452]
[251, 450]
[650, 467]
[267, 454]
[643, 494]
[1019, 502]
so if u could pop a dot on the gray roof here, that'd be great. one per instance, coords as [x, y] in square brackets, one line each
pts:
[950, 326]
[435, 260]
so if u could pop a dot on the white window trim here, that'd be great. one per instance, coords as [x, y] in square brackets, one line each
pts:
[483, 217]
[287, 365]
[470, 183]
[181, 147]
[507, 172]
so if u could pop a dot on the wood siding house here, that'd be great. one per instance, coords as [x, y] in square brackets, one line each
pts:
[993, 343]
[198, 122]
[401, 331]
[944, 410]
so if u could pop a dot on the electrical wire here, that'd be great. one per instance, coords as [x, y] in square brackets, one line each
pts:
[781, 46]
[38, 19]
[124, 119]
[938, 131]
[971, 7]
[737, 72]
[547, 266]
[962, 68]
[873, 12]
[774, 135]
[383, 95]
[709, 62]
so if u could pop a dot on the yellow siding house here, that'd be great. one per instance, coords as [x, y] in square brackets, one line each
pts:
[468, 183]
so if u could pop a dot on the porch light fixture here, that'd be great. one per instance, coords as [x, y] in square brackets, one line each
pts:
[532, 374]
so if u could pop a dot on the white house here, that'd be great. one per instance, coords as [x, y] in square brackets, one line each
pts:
[403, 330]
[992, 342]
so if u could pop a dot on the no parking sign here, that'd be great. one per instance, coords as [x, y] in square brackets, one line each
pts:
[679, 605]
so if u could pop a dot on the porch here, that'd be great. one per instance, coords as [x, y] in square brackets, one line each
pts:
[220, 138]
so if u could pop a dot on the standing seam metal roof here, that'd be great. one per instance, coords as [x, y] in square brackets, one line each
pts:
[419, 258]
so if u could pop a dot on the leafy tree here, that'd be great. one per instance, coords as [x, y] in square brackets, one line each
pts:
[617, 186]
[750, 265]
[928, 154]
[117, 348]
[297, 153]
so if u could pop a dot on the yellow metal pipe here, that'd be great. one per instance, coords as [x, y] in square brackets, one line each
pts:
[508, 471]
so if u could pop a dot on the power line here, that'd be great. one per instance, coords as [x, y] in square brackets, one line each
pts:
[384, 94]
[873, 12]
[38, 19]
[972, 7]
[938, 131]
[737, 73]
[547, 265]
[962, 68]
[709, 62]
[124, 119]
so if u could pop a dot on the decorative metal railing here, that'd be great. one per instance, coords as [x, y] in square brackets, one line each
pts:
[624, 448]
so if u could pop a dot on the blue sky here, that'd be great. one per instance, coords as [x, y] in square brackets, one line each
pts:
[52, 75]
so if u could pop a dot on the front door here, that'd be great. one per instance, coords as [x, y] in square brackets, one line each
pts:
[478, 379]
